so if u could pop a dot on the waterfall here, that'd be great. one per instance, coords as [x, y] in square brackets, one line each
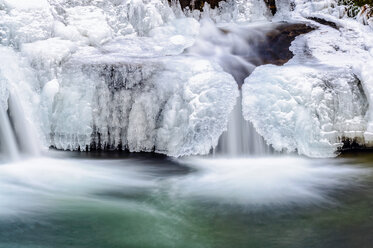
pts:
[8, 143]
[237, 51]
[241, 138]
[16, 133]
[26, 140]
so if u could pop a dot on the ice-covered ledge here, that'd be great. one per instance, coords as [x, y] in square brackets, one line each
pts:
[176, 105]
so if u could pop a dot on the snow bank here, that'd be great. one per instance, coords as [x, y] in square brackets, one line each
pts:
[109, 74]
[177, 106]
[234, 11]
[24, 21]
[115, 73]
[304, 108]
[322, 97]
[26, 4]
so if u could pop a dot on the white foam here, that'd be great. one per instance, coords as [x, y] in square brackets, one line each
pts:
[280, 181]
[42, 185]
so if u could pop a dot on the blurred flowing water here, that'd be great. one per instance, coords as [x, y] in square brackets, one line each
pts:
[146, 200]
[237, 199]
[239, 50]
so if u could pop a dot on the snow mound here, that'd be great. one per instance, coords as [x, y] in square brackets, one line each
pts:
[305, 108]
[177, 106]
[22, 23]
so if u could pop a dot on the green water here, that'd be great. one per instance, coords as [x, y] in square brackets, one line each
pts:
[141, 202]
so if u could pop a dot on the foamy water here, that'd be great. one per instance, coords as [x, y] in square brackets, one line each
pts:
[36, 185]
[268, 180]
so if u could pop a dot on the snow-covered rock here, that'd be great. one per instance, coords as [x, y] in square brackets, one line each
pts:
[143, 75]
[321, 98]
[310, 109]
[177, 106]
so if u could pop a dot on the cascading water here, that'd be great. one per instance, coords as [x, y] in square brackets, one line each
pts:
[26, 140]
[146, 78]
[241, 138]
[235, 51]
[8, 143]
[16, 134]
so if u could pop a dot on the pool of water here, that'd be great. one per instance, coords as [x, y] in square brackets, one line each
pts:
[145, 200]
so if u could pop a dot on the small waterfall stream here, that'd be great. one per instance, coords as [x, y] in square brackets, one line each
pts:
[26, 140]
[8, 143]
[239, 50]
[241, 138]
[236, 50]
[16, 133]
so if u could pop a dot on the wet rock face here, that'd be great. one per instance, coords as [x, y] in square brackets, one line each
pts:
[271, 4]
[274, 49]
[198, 4]
[324, 22]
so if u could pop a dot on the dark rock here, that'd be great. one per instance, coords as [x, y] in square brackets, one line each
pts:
[268, 44]
[324, 22]
[198, 4]
[271, 4]
[274, 47]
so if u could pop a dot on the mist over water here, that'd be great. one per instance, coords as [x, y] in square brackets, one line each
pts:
[139, 201]
[143, 76]
[37, 185]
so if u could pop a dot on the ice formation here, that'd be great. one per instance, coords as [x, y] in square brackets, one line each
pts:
[138, 74]
[305, 108]
[321, 97]
[111, 74]
[16, 117]
[170, 105]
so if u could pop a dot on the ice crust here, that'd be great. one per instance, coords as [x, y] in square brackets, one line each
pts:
[109, 74]
[124, 73]
[304, 108]
[176, 106]
[322, 96]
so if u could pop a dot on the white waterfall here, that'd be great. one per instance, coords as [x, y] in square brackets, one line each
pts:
[27, 141]
[149, 77]
[17, 137]
[241, 138]
[234, 49]
[8, 143]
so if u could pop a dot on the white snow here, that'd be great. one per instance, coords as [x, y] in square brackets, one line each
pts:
[26, 4]
[21, 25]
[304, 108]
[178, 106]
[315, 100]
[91, 23]
[145, 75]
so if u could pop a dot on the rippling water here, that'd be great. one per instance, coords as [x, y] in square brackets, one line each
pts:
[112, 200]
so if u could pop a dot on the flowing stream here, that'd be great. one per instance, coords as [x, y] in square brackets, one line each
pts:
[8, 143]
[112, 200]
[155, 90]
[17, 136]
[235, 49]
[241, 138]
